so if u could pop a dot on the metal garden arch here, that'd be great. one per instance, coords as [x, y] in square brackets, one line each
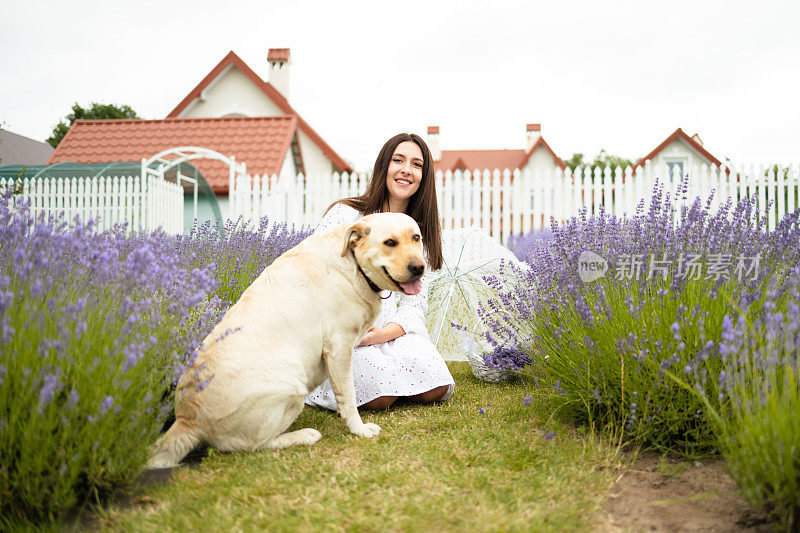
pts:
[167, 159]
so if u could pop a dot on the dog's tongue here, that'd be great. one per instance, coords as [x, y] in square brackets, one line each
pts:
[412, 287]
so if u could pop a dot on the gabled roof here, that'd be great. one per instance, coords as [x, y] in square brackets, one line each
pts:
[540, 142]
[492, 159]
[260, 142]
[271, 93]
[17, 149]
[679, 134]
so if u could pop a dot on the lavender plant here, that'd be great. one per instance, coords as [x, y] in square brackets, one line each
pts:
[605, 346]
[757, 415]
[94, 327]
[236, 253]
[521, 244]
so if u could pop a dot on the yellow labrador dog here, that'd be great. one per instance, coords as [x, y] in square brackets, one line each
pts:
[293, 327]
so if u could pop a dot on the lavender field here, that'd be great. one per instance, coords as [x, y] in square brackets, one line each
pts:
[95, 329]
[675, 329]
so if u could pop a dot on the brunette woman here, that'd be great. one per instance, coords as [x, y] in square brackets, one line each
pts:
[396, 359]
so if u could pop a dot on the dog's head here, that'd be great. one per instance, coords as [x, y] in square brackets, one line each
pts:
[388, 248]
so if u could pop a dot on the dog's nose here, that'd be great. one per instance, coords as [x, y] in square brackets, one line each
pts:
[416, 268]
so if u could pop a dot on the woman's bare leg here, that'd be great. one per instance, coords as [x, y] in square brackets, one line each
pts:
[381, 403]
[433, 395]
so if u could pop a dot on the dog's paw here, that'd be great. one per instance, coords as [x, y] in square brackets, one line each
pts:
[308, 436]
[159, 461]
[367, 430]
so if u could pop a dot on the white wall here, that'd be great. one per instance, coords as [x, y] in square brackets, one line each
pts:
[233, 93]
[314, 160]
[288, 169]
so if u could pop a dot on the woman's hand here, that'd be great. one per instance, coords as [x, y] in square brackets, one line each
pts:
[376, 335]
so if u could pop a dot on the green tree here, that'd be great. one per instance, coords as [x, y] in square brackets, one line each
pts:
[603, 160]
[575, 161]
[94, 112]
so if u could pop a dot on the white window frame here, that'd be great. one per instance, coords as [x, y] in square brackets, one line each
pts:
[669, 162]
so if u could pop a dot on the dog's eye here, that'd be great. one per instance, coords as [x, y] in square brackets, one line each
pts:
[390, 242]
[416, 238]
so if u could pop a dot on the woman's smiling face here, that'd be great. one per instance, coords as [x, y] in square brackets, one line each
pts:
[405, 173]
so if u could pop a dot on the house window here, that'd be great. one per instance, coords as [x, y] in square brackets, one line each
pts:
[675, 169]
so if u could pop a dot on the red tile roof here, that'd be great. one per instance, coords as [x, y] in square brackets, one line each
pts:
[480, 159]
[260, 142]
[679, 134]
[272, 94]
[491, 159]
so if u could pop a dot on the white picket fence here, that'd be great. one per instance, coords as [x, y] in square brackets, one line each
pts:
[514, 202]
[107, 200]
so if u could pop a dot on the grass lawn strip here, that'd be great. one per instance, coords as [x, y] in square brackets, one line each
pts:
[446, 467]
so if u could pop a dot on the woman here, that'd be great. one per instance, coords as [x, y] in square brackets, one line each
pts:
[396, 358]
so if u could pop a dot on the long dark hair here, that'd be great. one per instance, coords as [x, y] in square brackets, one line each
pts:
[422, 207]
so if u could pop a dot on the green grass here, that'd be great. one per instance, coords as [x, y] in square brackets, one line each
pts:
[439, 467]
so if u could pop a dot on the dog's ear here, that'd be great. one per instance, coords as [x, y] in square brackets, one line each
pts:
[353, 234]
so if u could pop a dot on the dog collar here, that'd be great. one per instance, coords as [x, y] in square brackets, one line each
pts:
[371, 284]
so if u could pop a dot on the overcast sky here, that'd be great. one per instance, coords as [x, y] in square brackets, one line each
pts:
[615, 75]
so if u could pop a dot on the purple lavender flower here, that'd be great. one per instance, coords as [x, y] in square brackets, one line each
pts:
[49, 388]
[508, 358]
[548, 435]
[676, 331]
[106, 404]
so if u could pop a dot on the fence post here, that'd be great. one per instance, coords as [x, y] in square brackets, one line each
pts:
[771, 200]
[505, 206]
[458, 199]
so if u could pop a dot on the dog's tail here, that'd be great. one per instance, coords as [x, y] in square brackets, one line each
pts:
[173, 446]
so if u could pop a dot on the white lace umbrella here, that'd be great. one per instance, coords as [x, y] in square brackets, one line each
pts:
[456, 289]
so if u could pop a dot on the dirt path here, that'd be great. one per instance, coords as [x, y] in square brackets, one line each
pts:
[657, 494]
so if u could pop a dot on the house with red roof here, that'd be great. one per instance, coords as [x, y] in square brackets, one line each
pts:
[265, 144]
[233, 89]
[536, 155]
[678, 153]
[231, 111]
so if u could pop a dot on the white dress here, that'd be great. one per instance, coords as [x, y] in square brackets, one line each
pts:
[406, 366]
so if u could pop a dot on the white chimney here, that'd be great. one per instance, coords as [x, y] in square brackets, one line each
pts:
[534, 131]
[279, 63]
[433, 143]
[696, 138]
